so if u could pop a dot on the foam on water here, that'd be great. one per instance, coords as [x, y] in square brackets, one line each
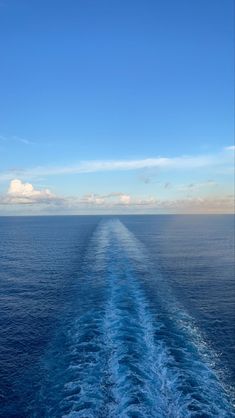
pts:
[131, 350]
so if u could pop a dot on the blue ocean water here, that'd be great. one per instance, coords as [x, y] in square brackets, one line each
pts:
[128, 316]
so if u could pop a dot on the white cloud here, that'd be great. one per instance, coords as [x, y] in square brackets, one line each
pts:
[215, 161]
[126, 165]
[105, 200]
[125, 199]
[24, 193]
[230, 148]
[108, 201]
[126, 203]
[131, 204]
[20, 193]
[92, 199]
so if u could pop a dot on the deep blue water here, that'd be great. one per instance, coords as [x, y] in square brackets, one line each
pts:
[130, 316]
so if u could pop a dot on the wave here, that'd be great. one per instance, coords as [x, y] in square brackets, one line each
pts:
[132, 351]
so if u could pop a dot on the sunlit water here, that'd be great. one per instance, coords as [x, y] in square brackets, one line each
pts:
[117, 317]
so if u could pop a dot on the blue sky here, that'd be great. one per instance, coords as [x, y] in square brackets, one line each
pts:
[140, 93]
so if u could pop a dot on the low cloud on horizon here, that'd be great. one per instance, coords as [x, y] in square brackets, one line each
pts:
[21, 194]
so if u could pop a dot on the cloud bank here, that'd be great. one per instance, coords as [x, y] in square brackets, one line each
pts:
[20, 194]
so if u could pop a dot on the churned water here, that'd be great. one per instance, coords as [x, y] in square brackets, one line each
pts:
[130, 316]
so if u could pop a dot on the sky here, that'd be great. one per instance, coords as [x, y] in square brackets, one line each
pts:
[116, 106]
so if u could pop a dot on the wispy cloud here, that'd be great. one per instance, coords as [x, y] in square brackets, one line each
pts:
[15, 138]
[22, 140]
[230, 148]
[221, 159]
[197, 186]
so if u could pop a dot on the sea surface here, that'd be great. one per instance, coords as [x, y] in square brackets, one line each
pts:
[124, 316]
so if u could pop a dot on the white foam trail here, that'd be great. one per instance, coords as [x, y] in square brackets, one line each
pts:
[135, 353]
[157, 381]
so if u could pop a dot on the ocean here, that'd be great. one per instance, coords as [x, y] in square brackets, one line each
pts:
[123, 316]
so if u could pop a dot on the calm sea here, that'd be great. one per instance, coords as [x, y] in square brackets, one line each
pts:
[125, 316]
